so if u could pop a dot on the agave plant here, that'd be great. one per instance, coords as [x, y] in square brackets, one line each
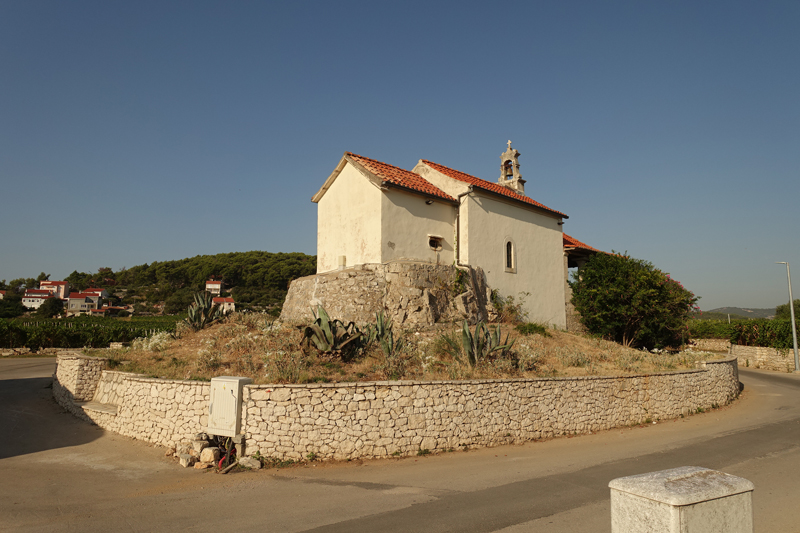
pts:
[482, 343]
[378, 332]
[203, 312]
[332, 336]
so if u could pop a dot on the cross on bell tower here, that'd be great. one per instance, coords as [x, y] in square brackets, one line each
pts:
[509, 171]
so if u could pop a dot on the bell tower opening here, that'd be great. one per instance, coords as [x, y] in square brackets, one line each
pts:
[509, 171]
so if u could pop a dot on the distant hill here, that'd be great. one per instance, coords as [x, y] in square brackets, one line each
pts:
[255, 279]
[742, 312]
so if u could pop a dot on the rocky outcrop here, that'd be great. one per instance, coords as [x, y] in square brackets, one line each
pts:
[411, 293]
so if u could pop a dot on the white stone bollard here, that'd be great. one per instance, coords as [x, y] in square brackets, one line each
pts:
[689, 499]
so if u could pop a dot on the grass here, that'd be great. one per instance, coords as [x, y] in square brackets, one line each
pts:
[250, 345]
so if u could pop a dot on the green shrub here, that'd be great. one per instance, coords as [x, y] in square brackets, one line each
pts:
[762, 332]
[532, 328]
[478, 345]
[631, 302]
[332, 336]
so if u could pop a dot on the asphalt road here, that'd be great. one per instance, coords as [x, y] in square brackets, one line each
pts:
[61, 474]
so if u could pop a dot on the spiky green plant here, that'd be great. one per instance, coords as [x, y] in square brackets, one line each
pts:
[203, 312]
[478, 345]
[332, 336]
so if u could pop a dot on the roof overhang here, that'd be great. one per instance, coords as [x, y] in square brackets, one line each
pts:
[375, 180]
[520, 203]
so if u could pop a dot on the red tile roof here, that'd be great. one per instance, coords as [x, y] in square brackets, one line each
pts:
[52, 283]
[220, 300]
[76, 295]
[398, 176]
[572, 242]
[213, 283]
[488, 185]
[36, 292]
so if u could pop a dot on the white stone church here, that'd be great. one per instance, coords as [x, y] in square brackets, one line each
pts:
[374, 213]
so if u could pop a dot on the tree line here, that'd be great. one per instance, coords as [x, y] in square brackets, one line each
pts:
[254, 279]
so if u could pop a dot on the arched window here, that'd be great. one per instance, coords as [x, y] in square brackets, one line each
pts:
[510, 257]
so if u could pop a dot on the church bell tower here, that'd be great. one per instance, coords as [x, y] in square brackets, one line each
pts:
[509, 171]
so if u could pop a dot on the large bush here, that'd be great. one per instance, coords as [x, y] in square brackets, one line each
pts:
[770, 333]
[783, 312]
[712, 329]
[631, 302]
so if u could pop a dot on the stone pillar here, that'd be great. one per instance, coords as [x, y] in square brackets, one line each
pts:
[682, 500]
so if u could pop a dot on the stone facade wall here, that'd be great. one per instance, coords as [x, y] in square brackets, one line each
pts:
[409, 292]
[763, 357]
[380, 419]
[79, 375]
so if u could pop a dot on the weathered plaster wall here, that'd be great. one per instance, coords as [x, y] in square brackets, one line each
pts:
[348, 221]
[380, 419]
[538, 244]
[411, 293]
[406, 222]
[763, 357]
[446, 183]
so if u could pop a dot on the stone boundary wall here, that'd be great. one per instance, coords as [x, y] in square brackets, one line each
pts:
[763, 357]
[80, 375]
[711, 345]
[381, 419]
[409, 292]
[160, 411]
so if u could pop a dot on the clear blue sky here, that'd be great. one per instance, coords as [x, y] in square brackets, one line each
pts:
[133, 132]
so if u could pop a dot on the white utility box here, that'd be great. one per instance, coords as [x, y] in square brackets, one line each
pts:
[689, 499]
[225, 408]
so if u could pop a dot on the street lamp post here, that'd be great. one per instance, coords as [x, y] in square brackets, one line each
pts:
[791, 311]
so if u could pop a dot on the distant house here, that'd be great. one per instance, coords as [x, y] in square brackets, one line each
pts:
[2, 294]
[214, 287]
[102, 293]
[59, 289]
[34, 298]
[226, 304]
[80, 303]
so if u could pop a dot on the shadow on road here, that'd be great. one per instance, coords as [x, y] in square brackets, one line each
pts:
[32, 421]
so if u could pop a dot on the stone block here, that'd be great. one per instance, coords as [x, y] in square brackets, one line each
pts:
[186, 460]
[209, 455]
[681, 500]
[250, 462]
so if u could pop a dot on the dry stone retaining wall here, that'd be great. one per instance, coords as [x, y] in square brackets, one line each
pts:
[380, 419]
[411, 293]
[714, 345]
[164, 412]
[80, 375]
[763, 357]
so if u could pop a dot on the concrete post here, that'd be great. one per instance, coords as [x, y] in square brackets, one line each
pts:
[689, 499]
